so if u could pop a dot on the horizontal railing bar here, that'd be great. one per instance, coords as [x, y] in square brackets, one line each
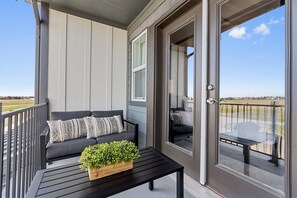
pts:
[248, 104]
[12, 113]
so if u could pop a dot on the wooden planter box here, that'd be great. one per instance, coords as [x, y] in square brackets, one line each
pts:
[97, 173]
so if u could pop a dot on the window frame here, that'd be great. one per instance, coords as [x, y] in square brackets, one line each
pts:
[139, 68]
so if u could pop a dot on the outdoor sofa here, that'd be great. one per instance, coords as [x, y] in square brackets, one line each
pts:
[70, 148]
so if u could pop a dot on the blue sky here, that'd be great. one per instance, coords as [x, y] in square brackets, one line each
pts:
[17, 48]
[252, 58]
[252, 61]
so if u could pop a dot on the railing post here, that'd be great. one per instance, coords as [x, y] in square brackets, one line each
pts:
[273, 118]
[1, 147]
[274, 158]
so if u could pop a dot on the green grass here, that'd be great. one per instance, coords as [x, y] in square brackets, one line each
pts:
[11, 105]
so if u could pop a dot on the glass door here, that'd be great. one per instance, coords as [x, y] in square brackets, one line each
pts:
[181, 117]
[247, 98]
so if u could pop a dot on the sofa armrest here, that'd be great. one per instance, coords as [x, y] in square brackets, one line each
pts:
[135, 131]
[44, 138]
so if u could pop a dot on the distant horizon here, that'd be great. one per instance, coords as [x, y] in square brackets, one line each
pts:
[17, 96]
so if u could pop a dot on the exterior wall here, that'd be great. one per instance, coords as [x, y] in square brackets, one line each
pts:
[87, 64]
[138, 111]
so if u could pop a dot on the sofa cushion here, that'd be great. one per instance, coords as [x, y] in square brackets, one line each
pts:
[69, 147]
[101, 114]
[182, 130]
[116, 137]
[177, 119]
[69, 115]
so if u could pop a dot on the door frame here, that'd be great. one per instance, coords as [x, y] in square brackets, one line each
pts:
[159, 97]
[190, 160]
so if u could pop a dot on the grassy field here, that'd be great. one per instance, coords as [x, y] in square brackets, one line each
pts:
[11, 105]
[251, 110]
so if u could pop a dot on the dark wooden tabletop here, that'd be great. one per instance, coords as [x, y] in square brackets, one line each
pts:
[71, 181]
[254, 138]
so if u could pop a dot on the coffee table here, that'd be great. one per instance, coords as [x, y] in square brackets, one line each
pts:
[254, 139]
[70, 181]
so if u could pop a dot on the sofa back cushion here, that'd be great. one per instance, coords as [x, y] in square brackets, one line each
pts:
[69, 115]
[111, 113]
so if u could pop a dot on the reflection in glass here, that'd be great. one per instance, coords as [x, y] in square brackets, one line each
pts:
[181, 87]
[139, 91]
[139, 51]
[252, 90]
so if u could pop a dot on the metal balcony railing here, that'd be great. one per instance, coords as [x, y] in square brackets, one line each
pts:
[20, 151]
[269, 117]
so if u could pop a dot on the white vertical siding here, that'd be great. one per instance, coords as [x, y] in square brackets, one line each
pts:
[78, 63]
[119, 73]
[57, 60]
[100, 66]
[87, 64]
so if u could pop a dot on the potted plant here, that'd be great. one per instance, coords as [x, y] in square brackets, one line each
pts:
[102, 160]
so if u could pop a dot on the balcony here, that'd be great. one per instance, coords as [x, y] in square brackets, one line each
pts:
[22, 128]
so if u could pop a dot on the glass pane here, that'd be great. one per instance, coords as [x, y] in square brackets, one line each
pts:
[181, 87]
[252, 90]
[139, 84]
[139, 51]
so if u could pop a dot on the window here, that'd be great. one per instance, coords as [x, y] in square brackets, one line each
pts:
[139, 48]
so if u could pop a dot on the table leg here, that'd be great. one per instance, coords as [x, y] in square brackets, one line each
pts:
[180, 184]
[246, 154]
[274, 158]
[151, 185]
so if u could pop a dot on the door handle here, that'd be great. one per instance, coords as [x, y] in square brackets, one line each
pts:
[211, 100]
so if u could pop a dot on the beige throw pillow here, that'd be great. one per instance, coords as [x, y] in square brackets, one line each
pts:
[103, 126]
[67, 130]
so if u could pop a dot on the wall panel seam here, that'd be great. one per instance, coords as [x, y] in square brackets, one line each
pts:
[90, 75]
[66, 63]
[111, 69]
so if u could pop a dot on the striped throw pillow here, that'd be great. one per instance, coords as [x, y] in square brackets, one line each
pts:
[103, 126]
[67, 130]
[54, 131]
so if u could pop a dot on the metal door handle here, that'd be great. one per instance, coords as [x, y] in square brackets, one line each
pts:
[211, 100]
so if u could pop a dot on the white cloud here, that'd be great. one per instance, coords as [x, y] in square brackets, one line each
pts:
[238, 33]
[262, 29]
[272, 22]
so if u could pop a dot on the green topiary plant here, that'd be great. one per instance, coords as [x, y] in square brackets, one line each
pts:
[101, 155]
